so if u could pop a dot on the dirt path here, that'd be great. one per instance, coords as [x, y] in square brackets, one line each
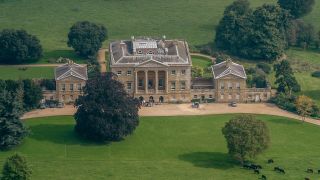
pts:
[102, 60]
[184, 110]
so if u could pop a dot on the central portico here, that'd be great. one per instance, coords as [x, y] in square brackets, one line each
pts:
[153, 69]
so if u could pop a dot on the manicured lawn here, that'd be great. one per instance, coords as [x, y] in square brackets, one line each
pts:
[203, 63]
[165, 148]
[15, 73]
[192, 20]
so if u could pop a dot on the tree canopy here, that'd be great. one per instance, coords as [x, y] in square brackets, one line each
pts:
[17, 46]
[254, 34]
[297, 8]
[86, 38]
[16, 168]
[106, 112]
[12, 130]
[246, 137]
[285, 78]
[304, 106]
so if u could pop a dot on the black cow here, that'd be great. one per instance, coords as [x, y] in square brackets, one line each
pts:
[306, 178]
[263, 177]
[309, 170]
[256, 171]
[276, 168]
[270, 161]
[247, 166]
[282, 171]
[319, 171]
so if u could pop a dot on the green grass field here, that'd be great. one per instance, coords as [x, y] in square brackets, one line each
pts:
[203, 63]
[15, 73]
[190, 147]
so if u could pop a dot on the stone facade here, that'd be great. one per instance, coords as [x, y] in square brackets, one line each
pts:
[159, 70]
[154, 70]
[70, 79]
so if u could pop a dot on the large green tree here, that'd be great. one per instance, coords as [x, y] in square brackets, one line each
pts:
[246, 137]
[232, 28]
[285, 79]
[86, 38]
[12, 130]
[32, 94]
[106, 112]
[266, 37]
[258, 34]
[297, 8]
[16, 168]
[17, 46]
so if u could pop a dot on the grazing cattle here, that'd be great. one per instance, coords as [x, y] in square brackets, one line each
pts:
[306, 178]
[319, 171]
[256, 171]
[282, 171]
[276, 169]
[309, 170]
[263, 177]
[247, 166]
[270, 161]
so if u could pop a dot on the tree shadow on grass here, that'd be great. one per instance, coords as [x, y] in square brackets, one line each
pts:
[60, 134]
[215, 160]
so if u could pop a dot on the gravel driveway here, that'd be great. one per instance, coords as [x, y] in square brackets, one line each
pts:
[185, 109]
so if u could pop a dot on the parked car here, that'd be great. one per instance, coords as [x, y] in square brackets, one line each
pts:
[195, 105]
[43, 106]
[60, 105]
[233, 104]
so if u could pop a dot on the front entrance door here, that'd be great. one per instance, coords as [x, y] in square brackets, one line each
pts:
[257, 98]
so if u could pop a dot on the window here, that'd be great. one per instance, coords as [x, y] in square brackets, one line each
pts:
[230, 96]
[63, 87]
[71, 87]
[221, 86]
[238, 96]
[129, 85]
[161, 83]
[140, 83]
[129, 73]
[221, 96]
[173, 85]
[119, 72]
[195, 97]
[183, 72]
[238, 85]
[139, 52]
[71, 97]
[182, 85]
[79, 86]
[173, 72]
[210, 96]
[265, 95]
[150, 52]
[229, 85]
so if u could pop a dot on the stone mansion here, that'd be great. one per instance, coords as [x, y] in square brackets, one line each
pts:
[159, 70]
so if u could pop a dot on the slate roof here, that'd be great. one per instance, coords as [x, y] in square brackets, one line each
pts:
[170, 52]
[226, 68]
[71, 69]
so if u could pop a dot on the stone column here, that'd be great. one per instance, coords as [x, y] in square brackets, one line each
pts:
[146, 81]
[157, 82]
[167, 81]
[136, 83]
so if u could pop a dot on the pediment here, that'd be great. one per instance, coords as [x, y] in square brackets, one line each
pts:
[152, 63]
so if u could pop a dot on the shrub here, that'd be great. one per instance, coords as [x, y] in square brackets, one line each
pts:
[48, 84]
[246, 137]
[16, 168]
[316, 74]
[285, 102]
[265, 67]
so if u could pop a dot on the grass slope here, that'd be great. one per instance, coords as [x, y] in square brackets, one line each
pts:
[31, 72]
[189, 147]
